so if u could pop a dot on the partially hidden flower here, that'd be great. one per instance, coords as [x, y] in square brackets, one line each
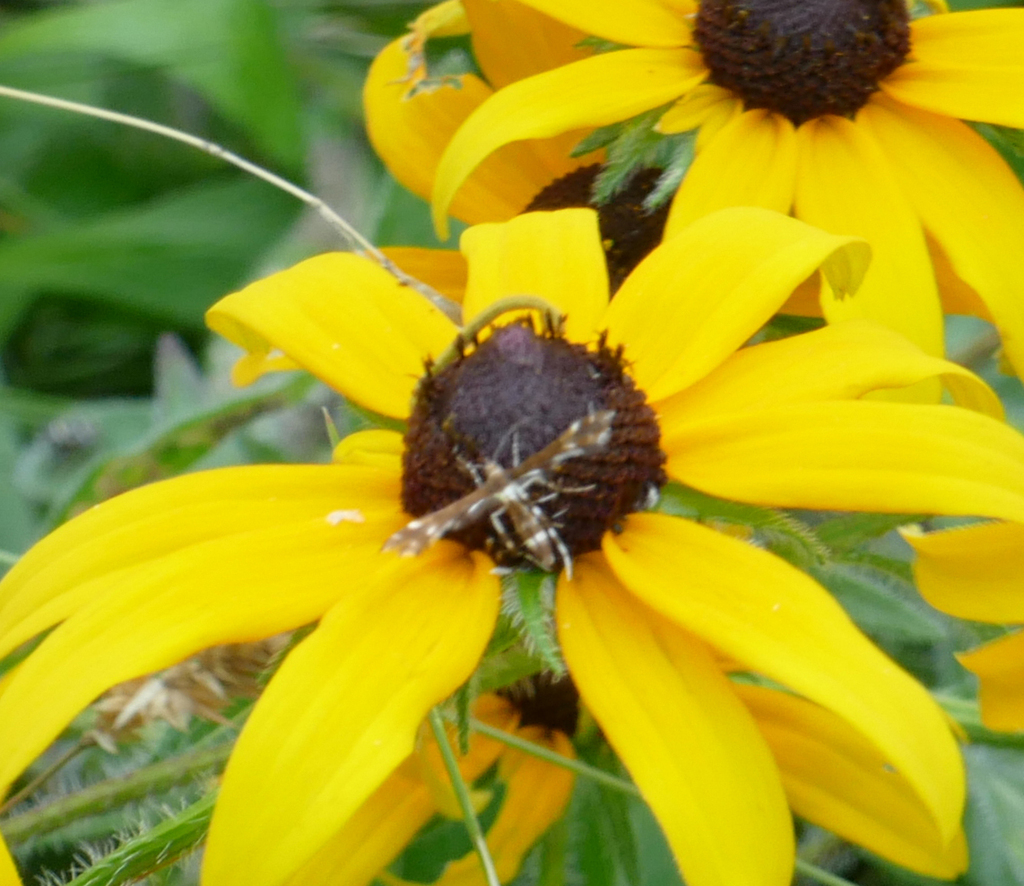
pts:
[411, 118]
[535, 795]
[843, 112]
[659, 609]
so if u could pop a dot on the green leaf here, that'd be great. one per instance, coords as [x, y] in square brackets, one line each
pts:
[178, 381]
[17, 522]
[463, 700]
[551, 854]
[602, 846]
[784, 534]
[634, 145]
[506, 668]
[228, 50]
[657, 864]
[529, 602]
[847, 531]
[879, 596]
[170, 258]
[967, 713]
[995, 810]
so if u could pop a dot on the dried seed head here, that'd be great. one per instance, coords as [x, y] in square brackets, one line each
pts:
[200, 686]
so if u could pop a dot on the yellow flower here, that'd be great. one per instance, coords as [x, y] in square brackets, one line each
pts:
[659, 609]
[410, 124]
[839, 111]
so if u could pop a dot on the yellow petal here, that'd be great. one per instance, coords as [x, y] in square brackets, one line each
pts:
[603, 89]
[344, 319]
[554, 255]
[957, 296]
[965, 64]
[760, 611]
[835, 778]
[374, 835]
[237, 588]
[750, 162]
[840, 362]
[673, 718]
[969, 200]
[845, 185]
[409, 132]
[713, 285]
[704, 105]
[372, 449]
[392, 815]
[342, 712]
[535, 798]
[511, 41]
[646, 23]
[443, 269]
[1000, 669]
[8, 873]
[856, 456]
[975, 572]
[59, 575]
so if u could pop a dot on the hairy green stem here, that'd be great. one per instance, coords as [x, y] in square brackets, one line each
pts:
[155, 849]
[819, 875]
[550, 756]
[114, 791]
[461, 789]
[44, 776]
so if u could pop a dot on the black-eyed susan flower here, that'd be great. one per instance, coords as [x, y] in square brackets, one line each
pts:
[659, 609]
[410, 119]
[843, 112]
[535, 795]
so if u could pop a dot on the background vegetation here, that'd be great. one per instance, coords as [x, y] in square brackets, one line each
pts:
[113, 242]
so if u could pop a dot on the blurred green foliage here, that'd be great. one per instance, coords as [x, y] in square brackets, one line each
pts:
[111, 237]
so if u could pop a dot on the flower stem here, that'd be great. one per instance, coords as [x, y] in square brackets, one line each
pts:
[113, 791]
[543, 753]
[476, 834]
[9, 559]
[819, 875]
[356, 240]
[152, 850]
[45, 775]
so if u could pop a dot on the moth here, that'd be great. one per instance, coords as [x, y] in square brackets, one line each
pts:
[507, 491]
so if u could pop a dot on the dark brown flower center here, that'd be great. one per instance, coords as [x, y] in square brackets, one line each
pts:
[628, 229]
[803, 58]
[507, 399]
[545, 700]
